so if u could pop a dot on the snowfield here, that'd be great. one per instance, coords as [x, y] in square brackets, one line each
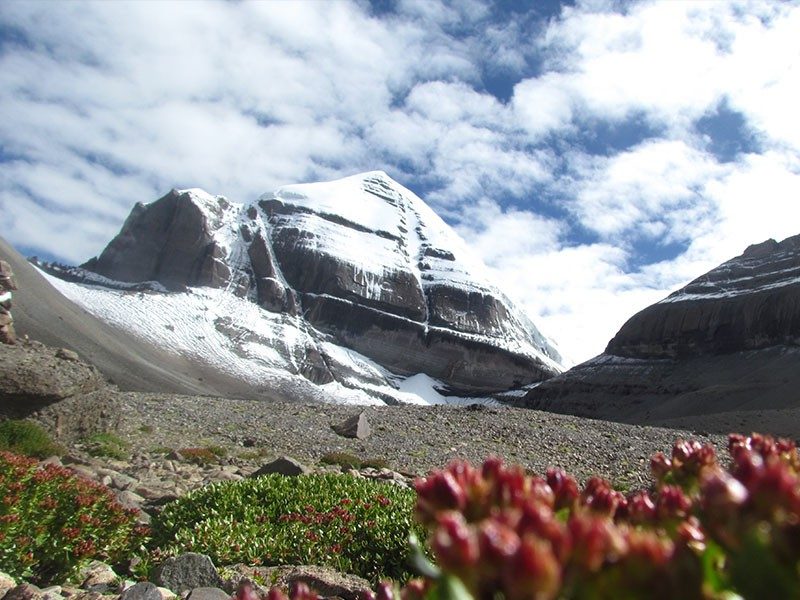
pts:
[231, 334]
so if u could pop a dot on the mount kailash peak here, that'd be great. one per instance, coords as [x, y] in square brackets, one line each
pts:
[352, 290]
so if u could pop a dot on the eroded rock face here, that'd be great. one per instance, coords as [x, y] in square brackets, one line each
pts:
[363, 260]
[728, 341]
[747, 303]
[169, 241]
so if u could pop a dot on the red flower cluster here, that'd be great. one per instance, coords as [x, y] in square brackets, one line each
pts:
[701, 531]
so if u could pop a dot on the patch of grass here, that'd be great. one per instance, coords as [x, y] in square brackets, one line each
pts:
[351, 524]
[27, 438]
[108, 445]
[351, 461]
[203, 456]
[254, 454]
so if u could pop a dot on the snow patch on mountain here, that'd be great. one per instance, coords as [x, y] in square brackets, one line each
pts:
[214, 327]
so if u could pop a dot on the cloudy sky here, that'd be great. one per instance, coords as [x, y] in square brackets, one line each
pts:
[598, 155]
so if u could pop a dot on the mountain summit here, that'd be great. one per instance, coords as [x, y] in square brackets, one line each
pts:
[347, 276]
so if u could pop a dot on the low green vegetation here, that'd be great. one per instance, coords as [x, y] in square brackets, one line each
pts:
[203, 456]
[27, 438]
[351, 461]
[52, 521]
[351, 524]
[108, 445]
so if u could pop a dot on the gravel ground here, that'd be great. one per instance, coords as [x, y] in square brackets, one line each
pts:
[411, 439]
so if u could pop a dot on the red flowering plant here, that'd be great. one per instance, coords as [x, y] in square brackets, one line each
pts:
[702, 531]
[51, 521]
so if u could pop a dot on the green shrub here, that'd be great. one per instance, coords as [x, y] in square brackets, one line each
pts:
[351, 461]
[351, 524]
[107, 444]
[51, 521]
[27, 438]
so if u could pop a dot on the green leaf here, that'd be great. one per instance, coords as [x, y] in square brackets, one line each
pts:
[449, 588]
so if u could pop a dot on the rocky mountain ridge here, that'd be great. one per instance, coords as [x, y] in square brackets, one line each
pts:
[357, 283]
[726, 343]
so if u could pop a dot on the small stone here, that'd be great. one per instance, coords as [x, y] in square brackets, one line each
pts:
[143, 590]
[186, 572]
[327, 582]
[121, 481]
[207, 593]
[130, 499]
[67, 354]
[6, 583]
[167, 594]
[51, 460]
[52, 593]
[97, 573]
[356, 427]
[25, 591]
[283, 466]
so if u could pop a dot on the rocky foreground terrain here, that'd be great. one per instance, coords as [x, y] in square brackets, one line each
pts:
[69, 397]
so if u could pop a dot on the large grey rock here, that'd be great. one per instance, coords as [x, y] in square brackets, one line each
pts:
[324, 581]
[186, 572]
[33, 376]
[25, 591]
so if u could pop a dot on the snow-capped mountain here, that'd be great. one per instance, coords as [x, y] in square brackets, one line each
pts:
[352, 285]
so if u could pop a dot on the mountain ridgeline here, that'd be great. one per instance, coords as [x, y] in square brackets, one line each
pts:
[361, 262]
[727, 341]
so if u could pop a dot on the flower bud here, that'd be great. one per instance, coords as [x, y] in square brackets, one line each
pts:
[440, 491]
[414, 590]
[640, 508]
[660, 466]
[721, 492]
[455, 543]
[564, 487]
[595, 540]
[672, 503]
[534, 572]
[301, 591]
[385, 591]
[497, 542]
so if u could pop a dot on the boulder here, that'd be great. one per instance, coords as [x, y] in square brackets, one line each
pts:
[283, 465]
[186, 572]
[356, 427]
[207, 593]
[33, 377]
[144, 590]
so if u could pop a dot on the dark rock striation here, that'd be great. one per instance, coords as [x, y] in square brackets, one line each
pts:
[747, 303]
[364, 261]
[728, 341]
